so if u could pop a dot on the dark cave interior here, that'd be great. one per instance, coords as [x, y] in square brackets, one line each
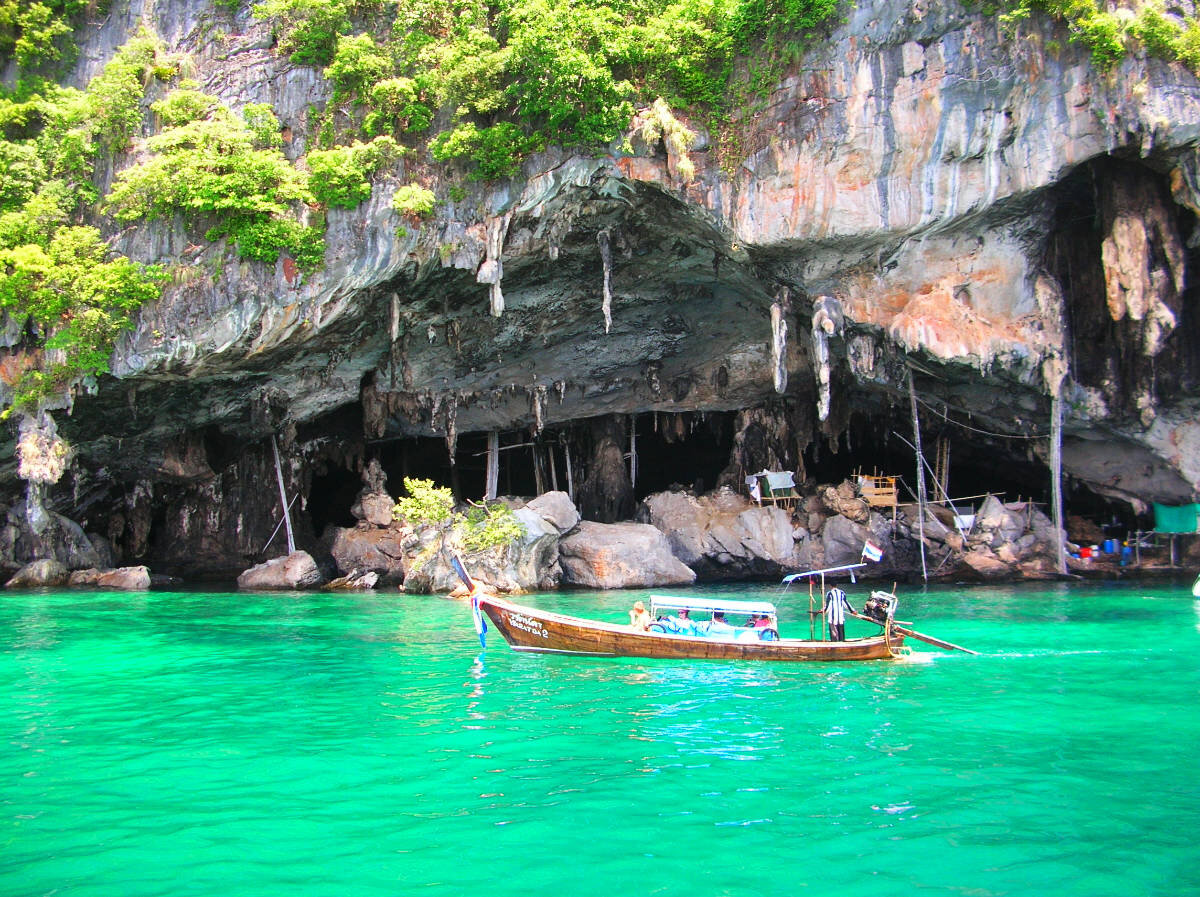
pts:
[695, 459]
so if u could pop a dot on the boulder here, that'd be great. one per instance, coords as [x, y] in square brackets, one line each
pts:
[723, 535]
[844, 539]
[529, 563]
[44, 572]
[375, 508]
[88, 577]
[985, 564]
[557, 509]
[297, 570]
[133, 579]
[353, 581]
[366, 548]
[843, 500]
[620, 556]
[997, 524]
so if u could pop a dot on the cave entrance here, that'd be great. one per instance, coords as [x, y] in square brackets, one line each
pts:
[686, 451]
[331, 496]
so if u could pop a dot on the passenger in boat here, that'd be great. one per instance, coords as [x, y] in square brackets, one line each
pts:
[836, 605]
[683, 622]
[639, 617]
[717, 626]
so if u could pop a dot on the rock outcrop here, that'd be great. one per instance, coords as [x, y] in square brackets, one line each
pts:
[924, 198]
[297, 570]
[44, 572]
[723, 536]
[620, 556]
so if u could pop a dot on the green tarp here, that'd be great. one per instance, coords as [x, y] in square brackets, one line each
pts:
[1176, 518]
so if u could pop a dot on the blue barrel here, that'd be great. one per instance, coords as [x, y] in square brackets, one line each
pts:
[1110, 546]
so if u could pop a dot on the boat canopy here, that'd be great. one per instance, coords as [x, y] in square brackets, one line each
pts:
[708, 605]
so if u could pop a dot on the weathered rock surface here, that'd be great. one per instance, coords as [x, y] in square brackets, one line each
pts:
[297, 570]
[924, 187]
[723, 535]
[44, 572]
[375, 508]
[134, 579]
[355, 580]
[620, 556]
[371, 548]
[557, 509]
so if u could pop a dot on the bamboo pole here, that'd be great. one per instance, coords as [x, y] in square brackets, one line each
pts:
[553, 468]
[1056, 500]
[633, 452]
[916, 416]
[570, 474]
[287, 514]
[539, 479]
[493, 465]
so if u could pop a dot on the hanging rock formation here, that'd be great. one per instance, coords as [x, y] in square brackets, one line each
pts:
[933, 195]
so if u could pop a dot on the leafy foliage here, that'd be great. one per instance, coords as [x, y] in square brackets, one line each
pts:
[514, 76]
[339, 177]
[183, 105]
[414, 200]
[425, 504]
[58, 278]
[71, 289]
[490, 526]
[308, 30]
[1108, 35]
[216, 170]
[484, 526]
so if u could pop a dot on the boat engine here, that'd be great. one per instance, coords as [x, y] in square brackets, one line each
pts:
[880, 607]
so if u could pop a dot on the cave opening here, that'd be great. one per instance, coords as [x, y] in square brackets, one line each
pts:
[1105, 353]
[332, 494]
[681, 450]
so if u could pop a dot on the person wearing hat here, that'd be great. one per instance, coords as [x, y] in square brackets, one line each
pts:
[639, 617]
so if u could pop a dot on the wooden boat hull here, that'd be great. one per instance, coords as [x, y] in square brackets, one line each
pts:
[529, 629]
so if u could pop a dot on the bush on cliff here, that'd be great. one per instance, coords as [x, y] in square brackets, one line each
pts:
[214, 171]
[484, 526]
[58, 278]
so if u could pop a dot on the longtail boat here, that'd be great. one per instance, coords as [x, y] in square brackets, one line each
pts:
[530, 629]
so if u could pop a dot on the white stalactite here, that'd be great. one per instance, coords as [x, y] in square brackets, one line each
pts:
[606, 260]
[826, 322]
[779, 334]
[492, 269]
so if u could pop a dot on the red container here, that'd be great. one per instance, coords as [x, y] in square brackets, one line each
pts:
[1085, 552]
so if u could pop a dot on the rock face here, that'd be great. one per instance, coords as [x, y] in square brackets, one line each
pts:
[620, 556]
[924, 187]
[371, 548]
[297, 570]
[723, 535]
[46, 572]
[133, 579]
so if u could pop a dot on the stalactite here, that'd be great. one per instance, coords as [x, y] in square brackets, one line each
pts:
[606, 260]
[826, 322]
[452, 428]
[537, 400]
[492, 269]
[779, 334]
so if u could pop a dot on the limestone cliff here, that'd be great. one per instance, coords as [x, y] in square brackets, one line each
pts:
[923, 195]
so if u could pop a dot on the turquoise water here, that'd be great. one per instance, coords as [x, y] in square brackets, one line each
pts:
[330, 744]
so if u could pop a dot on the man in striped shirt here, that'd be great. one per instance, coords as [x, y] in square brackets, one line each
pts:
[836, 605]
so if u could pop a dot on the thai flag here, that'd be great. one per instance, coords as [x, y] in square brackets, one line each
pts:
[480, 622]
[872, 552]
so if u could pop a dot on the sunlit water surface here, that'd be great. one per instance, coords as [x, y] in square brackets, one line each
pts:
[331, 744]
